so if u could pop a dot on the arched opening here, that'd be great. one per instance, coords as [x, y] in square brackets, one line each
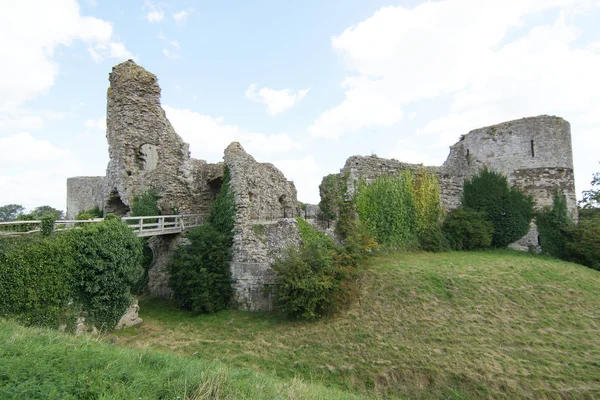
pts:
[215, 186]
[115, 205]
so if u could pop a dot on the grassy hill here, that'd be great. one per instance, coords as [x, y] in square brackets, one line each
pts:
[450, 325]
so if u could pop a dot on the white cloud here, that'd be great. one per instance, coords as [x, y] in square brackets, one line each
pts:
[42, 168]
[172, 51]
[30, 31]
[306, 175]
[484, 58]
[170, 54]
[181, 16]
[208, 136]
[155, 16]
[276, 100]
[20, 122]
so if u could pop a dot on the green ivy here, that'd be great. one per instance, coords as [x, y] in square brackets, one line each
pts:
[199, 272]
[387, 207]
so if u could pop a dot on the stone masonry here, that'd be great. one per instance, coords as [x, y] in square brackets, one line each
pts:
[261, 194]
[146, 153]
[535, 154]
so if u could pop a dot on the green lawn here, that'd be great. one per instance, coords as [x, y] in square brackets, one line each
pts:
[451, 325]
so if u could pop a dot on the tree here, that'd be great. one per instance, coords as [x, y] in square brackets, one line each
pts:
[507, 208]
[10, 212]
[591, 198]
[43, 211]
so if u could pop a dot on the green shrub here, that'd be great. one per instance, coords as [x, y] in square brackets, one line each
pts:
[468, 230]
[47, 225]
[432, 239]
[145, 204]
[583, 245]
[199, 272]
[92, 213]
[36, 280]
[331, 191]
[107, 258]
[508, 209]
[317, 277]
[552, 223]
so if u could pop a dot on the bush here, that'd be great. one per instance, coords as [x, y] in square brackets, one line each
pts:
[107, 258]
[553, 223]
[145, 204]
[46, 280]
[467, 230]
[37, 280]
[508, 209]
[199, 272]
[47, 225]
[92, 213]
[432, 239]
[318, 277]
[583, 244]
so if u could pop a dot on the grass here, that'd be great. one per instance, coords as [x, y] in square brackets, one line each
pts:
[45, 364]
[493, 324]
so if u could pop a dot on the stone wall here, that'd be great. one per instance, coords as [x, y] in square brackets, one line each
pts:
[261, 193]
[535, 154]
[84, 193]
[145, 151]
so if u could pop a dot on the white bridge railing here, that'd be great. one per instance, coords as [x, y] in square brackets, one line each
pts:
[143, 226]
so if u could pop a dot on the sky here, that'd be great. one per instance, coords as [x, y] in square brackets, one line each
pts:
[303, 85]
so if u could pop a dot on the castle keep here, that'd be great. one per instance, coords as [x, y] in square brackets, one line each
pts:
[146, 153]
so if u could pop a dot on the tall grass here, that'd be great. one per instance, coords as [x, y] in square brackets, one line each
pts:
[44, 364]
[494, 324]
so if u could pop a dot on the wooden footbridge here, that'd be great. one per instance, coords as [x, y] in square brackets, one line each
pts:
[142, 226]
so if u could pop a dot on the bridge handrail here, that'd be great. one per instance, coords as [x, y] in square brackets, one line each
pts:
[159, 224]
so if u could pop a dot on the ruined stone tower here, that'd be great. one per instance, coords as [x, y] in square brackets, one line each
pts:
[535, 154]
[146, 153]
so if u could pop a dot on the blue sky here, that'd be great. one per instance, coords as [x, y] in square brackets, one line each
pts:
[303, 85]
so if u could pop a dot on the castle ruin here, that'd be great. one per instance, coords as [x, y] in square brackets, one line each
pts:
[146, 153]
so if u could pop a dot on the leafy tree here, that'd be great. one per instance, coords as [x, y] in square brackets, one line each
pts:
[43, 211]
[506, 207]
[10, 212]
[591, 198]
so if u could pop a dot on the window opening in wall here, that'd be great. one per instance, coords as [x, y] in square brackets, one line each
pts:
[532, 149]
[468, 157]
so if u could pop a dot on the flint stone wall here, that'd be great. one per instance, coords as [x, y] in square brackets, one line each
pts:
[261, 193]
[84, 193]
[146, 153]
[535, 154]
